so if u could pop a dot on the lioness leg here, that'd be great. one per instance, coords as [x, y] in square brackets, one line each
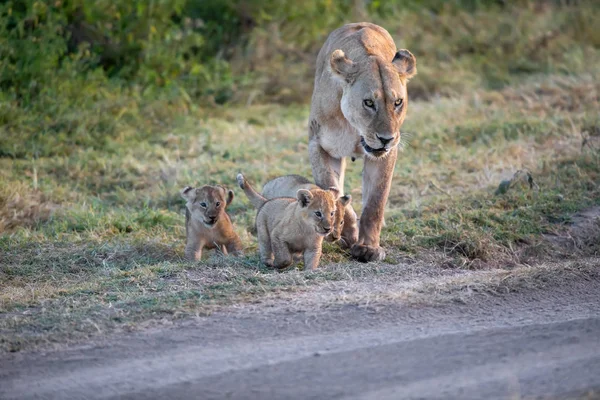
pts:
[339, 168]
[283, 257]
[377, 180]
[327, 171]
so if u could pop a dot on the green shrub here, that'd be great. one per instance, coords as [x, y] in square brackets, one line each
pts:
[89, 73]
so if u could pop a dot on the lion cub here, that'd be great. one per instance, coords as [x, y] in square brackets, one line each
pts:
[207, 224]
[345, 226]
[288, 227]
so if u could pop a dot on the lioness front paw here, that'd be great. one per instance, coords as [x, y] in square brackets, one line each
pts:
[365, 253]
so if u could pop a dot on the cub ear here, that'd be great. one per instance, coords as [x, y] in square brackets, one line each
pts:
[304, 197]
[334, 191]
[227, 194]
[405, 63]
[342, 66]
[345, 200]
[188, 193]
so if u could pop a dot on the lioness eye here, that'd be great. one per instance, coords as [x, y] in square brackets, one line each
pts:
[318, 214]
[369, 103]
[398, 102]
[342, 222]
[203, 205]
[218, 203]
[332, 213]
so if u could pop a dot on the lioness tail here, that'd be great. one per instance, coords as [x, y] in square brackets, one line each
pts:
[255, 198]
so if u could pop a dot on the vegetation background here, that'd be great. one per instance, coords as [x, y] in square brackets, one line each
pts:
[120, 56]
[108, 108]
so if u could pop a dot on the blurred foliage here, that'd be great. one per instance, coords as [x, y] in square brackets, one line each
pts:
[72, 71]
[146, 43]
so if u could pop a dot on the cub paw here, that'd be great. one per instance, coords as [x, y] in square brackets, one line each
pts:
[364, 253]
[344, 243]
[282, 264]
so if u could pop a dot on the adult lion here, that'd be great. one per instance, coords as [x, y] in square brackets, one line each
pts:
[358, 105]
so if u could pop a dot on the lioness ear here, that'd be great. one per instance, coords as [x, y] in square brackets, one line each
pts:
[334, 191]
[342, 66]
[229, 197]
[188, 193]
[345, 200]
[405, 63]
[304, 197]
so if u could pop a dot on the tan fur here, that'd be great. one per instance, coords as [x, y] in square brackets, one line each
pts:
[288, 227]
[207, 224]
[345, 226]
[358, 63]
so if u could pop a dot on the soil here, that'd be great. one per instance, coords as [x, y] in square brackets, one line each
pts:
[532, 343]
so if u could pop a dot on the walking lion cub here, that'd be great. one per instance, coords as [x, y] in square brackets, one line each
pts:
[207, 224]
[288, 227]
[345, 225]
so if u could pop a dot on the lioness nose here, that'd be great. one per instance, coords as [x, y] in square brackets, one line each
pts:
[385, 140]
[326, 229]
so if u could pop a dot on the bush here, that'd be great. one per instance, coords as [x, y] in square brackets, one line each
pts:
[78, 73]
[134, 42]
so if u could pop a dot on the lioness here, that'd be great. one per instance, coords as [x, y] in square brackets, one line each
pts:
[345, 226]
[358, 105]
[207, 223]
[288, 227]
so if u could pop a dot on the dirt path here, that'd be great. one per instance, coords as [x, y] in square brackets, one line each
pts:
[533, 344]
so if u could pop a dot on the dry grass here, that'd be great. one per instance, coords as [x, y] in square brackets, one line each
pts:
[581, 237]
[27, 210]
[423, 283]
[93, 238]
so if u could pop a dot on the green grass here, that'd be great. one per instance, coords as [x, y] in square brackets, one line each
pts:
[92, 224]
[94, 239]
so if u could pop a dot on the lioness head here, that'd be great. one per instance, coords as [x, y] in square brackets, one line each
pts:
[207, 204]
[338, 218]
[319, 207]
[374, 98]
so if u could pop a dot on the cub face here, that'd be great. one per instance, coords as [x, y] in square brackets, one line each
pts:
[338, 220]
[207, 204]
[319, 208]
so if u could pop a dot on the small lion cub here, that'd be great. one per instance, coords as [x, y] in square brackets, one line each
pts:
[345, 226]
[289, 227]
[207, 224]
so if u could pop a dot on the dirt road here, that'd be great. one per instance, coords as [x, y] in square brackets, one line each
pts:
[544, 344]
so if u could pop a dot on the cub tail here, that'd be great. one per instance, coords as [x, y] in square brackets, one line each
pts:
[255, 198]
